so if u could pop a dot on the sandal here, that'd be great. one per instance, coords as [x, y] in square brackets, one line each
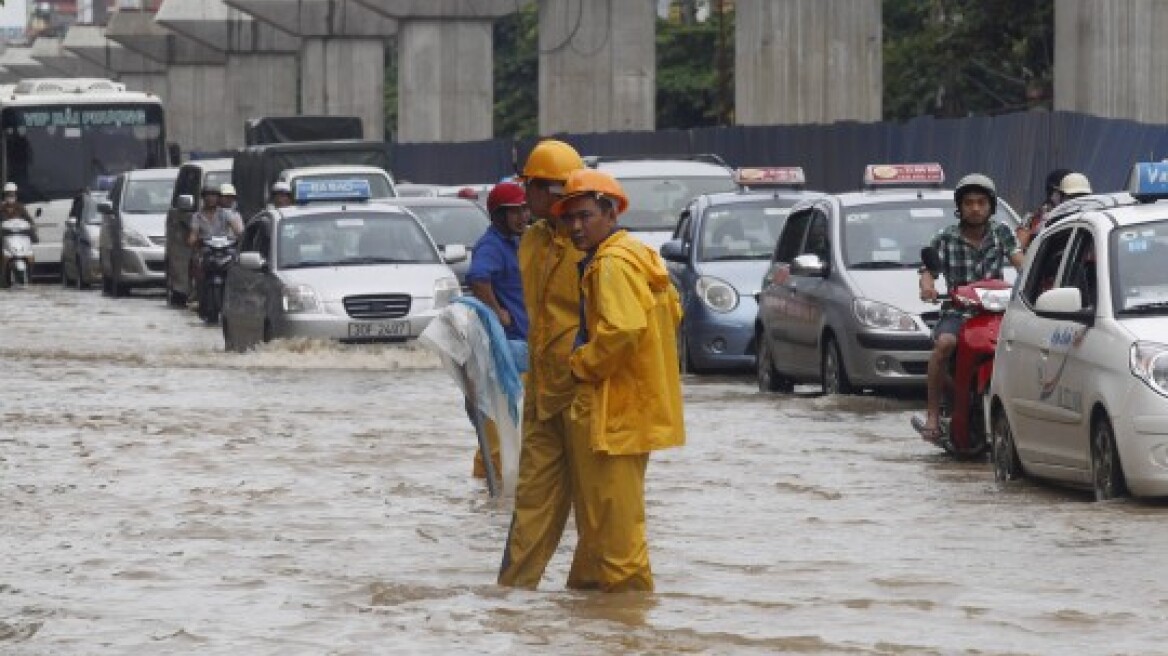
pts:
[930, 434]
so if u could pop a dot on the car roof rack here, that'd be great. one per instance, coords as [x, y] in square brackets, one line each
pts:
[710, 158]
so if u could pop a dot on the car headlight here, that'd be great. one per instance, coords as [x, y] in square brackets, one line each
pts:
[717, 294]
[446, 290]
[881, 316]
[1149, 363]
[133, 239]
[300, 299]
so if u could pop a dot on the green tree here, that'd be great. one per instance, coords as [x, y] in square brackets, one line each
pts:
[695, 72]
[962, 57]
[517, 74]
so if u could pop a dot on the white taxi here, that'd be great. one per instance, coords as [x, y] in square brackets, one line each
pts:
[1080, 386]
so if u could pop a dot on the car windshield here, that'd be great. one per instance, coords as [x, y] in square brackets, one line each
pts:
[1139, 277]
[352, 239]
[655, 203]
[891, 235]
[378, 184]
[741, 232]
[147, 196]
[463, 224]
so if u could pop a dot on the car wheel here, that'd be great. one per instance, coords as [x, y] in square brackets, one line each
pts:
[1003, 451]
[267, 331]
[228, 343]
[65, 282]
[1106, 470]
[683, 357]
[833, 375]
[769, 379]
[107, 287]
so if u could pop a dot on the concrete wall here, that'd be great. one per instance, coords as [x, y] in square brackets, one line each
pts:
[344, 76]
[1109, 58]
[445, 80]
[597, 65]
[807, 61]
[150, 82]
[260, 85]
[194, 105]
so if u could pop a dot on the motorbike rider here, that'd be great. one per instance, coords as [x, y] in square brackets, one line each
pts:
[11, 208]
[227, 204]
[978, 247]
[281, 194]
[210, 221]
[1033, 222]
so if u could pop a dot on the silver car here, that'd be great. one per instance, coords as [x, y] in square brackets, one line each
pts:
[359, 272]
[840, 304]
[80, 263]
[133, 230]
[450, 222]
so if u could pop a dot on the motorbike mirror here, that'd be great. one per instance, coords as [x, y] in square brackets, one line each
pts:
[930, 259]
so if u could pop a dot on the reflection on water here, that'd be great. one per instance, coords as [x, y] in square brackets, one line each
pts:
[161, 496]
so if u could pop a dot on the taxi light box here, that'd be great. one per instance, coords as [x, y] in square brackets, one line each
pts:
[770, 176]
[1149, 180]
[339, 189]
[903, 174]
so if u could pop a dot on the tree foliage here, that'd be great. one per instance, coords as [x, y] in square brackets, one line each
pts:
[962, 57]
[695, 83]
[517, 74]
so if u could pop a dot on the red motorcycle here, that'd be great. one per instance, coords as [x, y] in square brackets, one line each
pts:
[963, 423]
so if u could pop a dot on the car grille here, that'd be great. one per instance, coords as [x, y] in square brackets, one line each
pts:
[378, 306]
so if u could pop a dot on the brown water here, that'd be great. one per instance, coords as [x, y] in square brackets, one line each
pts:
[158, 496]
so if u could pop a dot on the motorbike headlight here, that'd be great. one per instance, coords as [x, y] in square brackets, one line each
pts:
[881, 316]
[446, 290]
[133, 239]
[994, 300]
[1149, 363]
[717, 294]
[300, 299]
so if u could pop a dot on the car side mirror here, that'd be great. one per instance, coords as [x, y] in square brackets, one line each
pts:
[185, 203]
[673, 251]
[454, 253]
[1064, 304]
[809, 264]
[251, 260]
[105, 207]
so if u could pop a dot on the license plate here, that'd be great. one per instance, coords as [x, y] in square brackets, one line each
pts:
[380, 329]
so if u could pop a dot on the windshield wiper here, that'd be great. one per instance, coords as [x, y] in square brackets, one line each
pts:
[374, 260]
[308, 265]
[729, 258]
[883, 264]
[1160, 307]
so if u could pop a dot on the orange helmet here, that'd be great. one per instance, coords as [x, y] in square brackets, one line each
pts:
[552, 160]
[591, 181]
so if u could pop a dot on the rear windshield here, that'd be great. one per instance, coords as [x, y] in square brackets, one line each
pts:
[655, 203]
[454, 225]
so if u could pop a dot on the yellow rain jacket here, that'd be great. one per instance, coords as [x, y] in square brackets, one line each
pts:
[630, 359]
[551, 292]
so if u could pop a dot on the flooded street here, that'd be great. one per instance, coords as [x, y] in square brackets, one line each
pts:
[159, 496]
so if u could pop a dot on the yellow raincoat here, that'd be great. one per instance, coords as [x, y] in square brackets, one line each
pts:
[544, 493]
[628, 403]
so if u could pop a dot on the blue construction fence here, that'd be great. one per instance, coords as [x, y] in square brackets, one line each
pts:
[1016, 150]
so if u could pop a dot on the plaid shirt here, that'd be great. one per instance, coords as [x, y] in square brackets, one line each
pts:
[962, 264]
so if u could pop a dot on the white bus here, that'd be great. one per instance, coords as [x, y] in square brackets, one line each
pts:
[59, 136]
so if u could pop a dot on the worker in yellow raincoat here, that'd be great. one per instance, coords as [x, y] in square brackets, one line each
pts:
[551, 293]
[628, 393]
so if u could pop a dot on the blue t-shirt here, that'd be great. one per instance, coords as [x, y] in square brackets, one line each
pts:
[496, 260]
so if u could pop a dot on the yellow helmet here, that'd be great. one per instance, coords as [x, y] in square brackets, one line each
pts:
[591, 181]
[552, 160]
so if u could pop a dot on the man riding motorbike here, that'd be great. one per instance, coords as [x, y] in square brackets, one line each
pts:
[978, 247]
[11, 208]
[212, 220]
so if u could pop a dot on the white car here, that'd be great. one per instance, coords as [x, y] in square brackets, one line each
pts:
[1080, 386]
[347, 271]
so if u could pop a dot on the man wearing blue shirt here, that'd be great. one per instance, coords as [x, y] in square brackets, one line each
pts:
[494, 278]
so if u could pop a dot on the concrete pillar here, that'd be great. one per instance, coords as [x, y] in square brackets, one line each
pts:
[18, 61]
[48, 51]
[195, 78]
[1108, 58]
[807, 61]
[445, 66]
[597, 65]
[342, 55]
[137, 72]
[260, 64]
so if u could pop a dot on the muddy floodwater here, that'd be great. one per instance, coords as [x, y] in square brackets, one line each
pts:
[159, 496]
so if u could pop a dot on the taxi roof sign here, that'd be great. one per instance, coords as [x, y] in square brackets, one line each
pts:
[771, 176]
[1148, 181]
[332, 189]
[904, 175]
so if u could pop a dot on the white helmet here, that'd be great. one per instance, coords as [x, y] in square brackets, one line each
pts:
[226, 189]
[281, 187]
[10, 187]
[1075, 184]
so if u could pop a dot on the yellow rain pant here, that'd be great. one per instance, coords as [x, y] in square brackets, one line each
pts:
[480, 470]
[607, 493]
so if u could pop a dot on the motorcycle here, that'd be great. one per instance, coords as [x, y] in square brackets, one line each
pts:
[218, 255]
[16, 235]
[963, 423]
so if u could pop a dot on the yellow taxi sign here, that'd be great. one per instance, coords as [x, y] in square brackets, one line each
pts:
[770, 176]
[877, 175]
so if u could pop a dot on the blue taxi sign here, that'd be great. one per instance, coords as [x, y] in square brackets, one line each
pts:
[904, 175]
[771, 176]
[332, 189]
[1148, 181]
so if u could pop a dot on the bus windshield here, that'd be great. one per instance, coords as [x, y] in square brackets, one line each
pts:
[54, 151]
